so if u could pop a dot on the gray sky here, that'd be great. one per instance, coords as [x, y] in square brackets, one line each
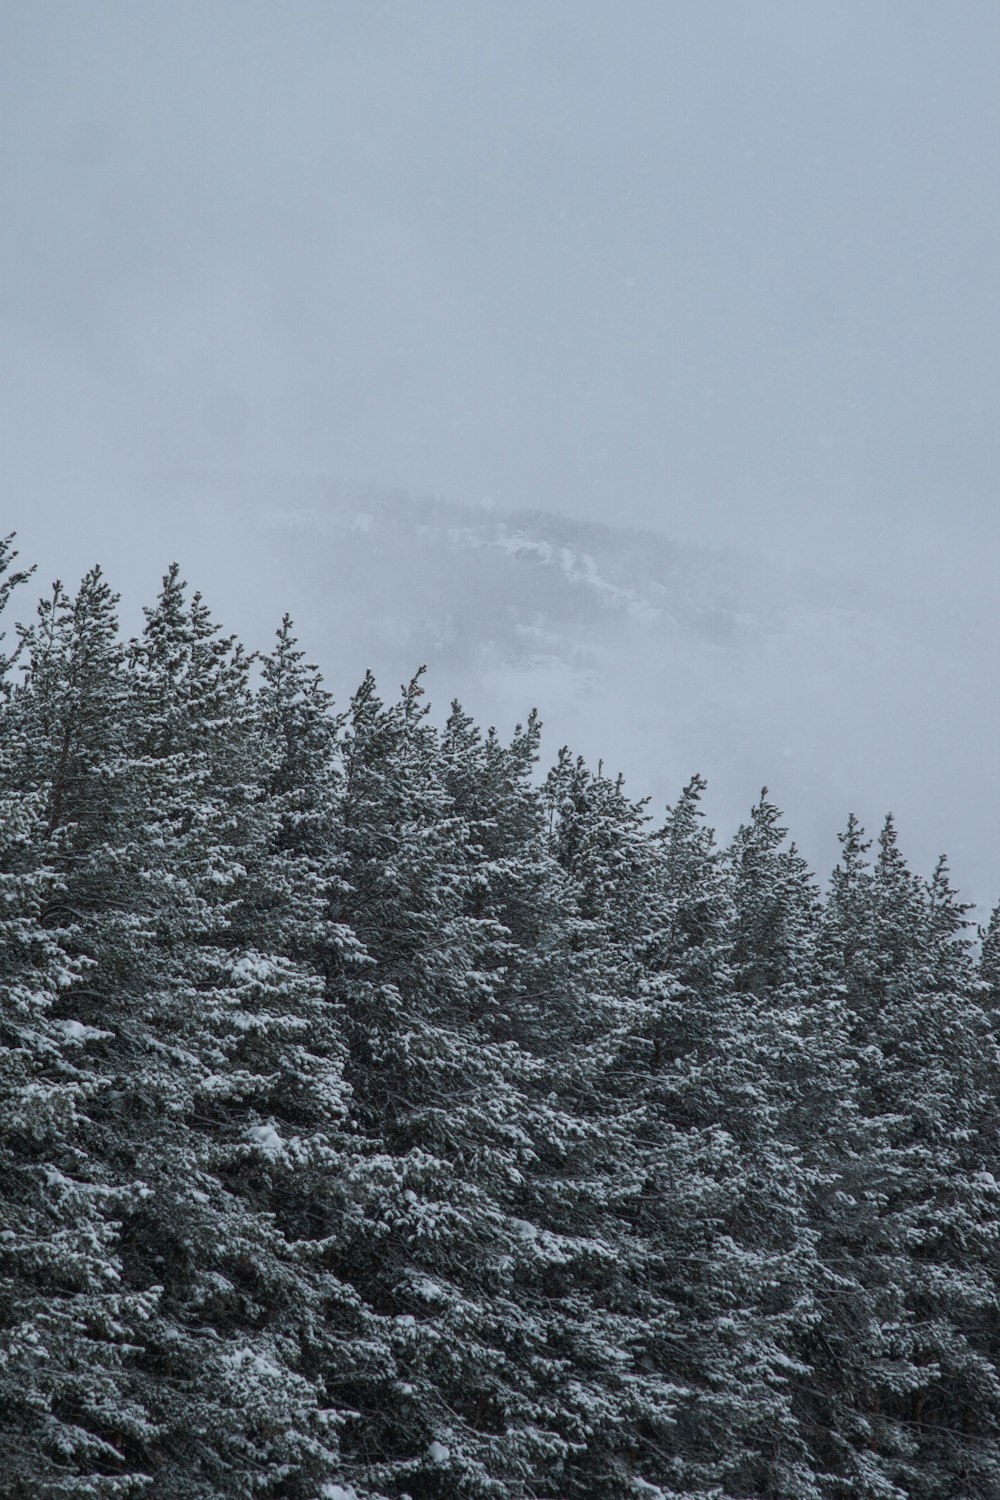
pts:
[728, 270]
[725, 268]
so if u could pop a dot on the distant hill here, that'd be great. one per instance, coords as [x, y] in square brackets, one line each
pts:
[659, 657]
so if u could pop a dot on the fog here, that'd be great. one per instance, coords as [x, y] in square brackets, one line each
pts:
[725, 272]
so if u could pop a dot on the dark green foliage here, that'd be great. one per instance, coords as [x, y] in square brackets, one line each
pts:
[379, 1120]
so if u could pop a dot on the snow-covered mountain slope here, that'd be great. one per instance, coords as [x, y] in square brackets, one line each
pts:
[661, 659]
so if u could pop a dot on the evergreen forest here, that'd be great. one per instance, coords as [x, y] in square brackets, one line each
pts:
[384, 1118]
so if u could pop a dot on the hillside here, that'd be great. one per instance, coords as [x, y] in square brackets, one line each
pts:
[657, 657]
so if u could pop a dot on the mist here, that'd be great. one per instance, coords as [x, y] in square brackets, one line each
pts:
[725, 273]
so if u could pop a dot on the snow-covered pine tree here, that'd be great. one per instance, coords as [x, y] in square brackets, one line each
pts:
[440, 1083]
[214, 1050]
[943, 1057]
[11, 578]
[777, 907]
[723, 1205]
[71, 1422]
[374, 1122]
[242, 1076]
[553, 1002]
[605, 1299]
[989, 964]
[295, 886]
[924, 1242]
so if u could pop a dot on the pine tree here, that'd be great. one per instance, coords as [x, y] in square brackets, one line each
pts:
[989, 963]
[563, 996]
[920, 1224]
[71, 1421]
[219, 1091]
[577, 1201]
[725, 1195]
[944, 1055]
[444, 1095]
[11, 578]
[376, 1121]
[245, 1073]
[70, 1418]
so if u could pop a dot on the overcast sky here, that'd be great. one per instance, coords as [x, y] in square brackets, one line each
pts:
[729, 269]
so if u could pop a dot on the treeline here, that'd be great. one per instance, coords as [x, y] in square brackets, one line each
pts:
[378, 1121]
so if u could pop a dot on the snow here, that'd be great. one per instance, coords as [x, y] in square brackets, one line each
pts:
[438, 1453]
[76, 1031]
[338, 1492]
[252, 1360]
[252, 966]
[430, 1290]
[268, 1139]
